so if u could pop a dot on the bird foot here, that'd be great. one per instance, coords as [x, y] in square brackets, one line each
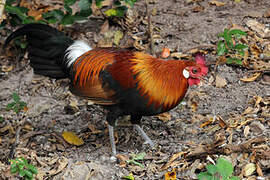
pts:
[144, 135]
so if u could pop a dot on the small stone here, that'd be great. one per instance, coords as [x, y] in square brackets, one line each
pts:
[220, 81]
[257, 127]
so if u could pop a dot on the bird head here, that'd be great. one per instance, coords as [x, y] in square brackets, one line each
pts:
[195, 73]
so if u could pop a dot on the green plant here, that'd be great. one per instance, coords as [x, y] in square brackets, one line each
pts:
[17, 105]
[1, 119]
[21, 166]
[135, 158]
[65, 16]
[120, 8]
[231, 45]
[221, 171]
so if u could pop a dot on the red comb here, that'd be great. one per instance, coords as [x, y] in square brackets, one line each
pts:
[200, 60]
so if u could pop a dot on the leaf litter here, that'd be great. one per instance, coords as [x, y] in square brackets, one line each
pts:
[241, 137]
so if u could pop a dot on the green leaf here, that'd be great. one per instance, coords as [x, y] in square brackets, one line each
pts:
[1, 119]
[237, 31]
[22, 173]
[53, 16]
[234, 178]
[10, 106]
[129, 177]
[84, 13]
[9, 2]
[205, 176]
[117, 3]
[241, 52]
[69, 2]
[224, 167]
[16, 97]
[234, 61]
[135, 162]
[68, 9]
[211, 169]
[240, 46]
[139, 156]
[68, 19]
[14, 170]
[228, 38]
[221, 35]
[19, 11]
[117, 12]
[29, 174]
[221, 48]
[84, 4]
[130, 2]
[98, 3]
[32, 168]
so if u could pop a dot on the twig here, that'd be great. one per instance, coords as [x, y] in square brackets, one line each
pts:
[203, 46]
[2, 7]
[229, 149]
[14, 145]
[150, 28]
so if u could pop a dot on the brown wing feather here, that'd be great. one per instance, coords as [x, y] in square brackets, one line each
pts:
[85, 79]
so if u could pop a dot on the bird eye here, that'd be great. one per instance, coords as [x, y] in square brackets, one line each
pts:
[194, 71]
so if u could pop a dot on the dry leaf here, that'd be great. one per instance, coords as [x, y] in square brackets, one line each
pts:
[221, 123]
[7, 68]
[123, 159]
[118, 35]
[72, 138]
[171, 175]
[179, 55]
[259, 28]
[259, 169]
[165, 53]
[220, 82]
[62, 164]
[249, 169]
[170, 162]
[246, 131]
[198, 9]
[104, 28]
[267, 13]
[217, 3]
[164, 117]
[210, 121]
[252, 78]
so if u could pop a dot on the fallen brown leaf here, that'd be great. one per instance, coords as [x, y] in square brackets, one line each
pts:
[217, 3]
[252, 78]
[72, 138]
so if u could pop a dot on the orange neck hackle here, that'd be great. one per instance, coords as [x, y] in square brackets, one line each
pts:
[162, 81]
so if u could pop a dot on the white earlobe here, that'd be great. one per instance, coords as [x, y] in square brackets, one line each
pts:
[186, 73]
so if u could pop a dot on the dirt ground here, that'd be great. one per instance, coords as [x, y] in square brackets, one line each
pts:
[180, 26]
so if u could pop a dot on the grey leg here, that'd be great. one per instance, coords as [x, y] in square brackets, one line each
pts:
[111, 134]
[144, 135]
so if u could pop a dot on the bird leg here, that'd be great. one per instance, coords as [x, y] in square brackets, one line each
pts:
[135, 120]
[111, 118]
[144, 135]
[111, 134]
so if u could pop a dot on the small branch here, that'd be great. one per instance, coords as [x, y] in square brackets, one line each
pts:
[14, 145]
[203, 46]
[229, 149]
[2, 7]
[150, 28]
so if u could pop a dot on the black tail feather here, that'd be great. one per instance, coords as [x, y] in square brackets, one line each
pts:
[46, 46]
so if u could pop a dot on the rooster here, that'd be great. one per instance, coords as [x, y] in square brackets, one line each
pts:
[125, 82]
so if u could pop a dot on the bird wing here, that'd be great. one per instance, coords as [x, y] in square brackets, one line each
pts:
[94, 73]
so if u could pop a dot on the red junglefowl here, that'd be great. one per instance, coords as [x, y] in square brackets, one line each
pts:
[124, 81]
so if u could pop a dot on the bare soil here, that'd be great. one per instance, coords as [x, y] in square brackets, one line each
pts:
[180, 26]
